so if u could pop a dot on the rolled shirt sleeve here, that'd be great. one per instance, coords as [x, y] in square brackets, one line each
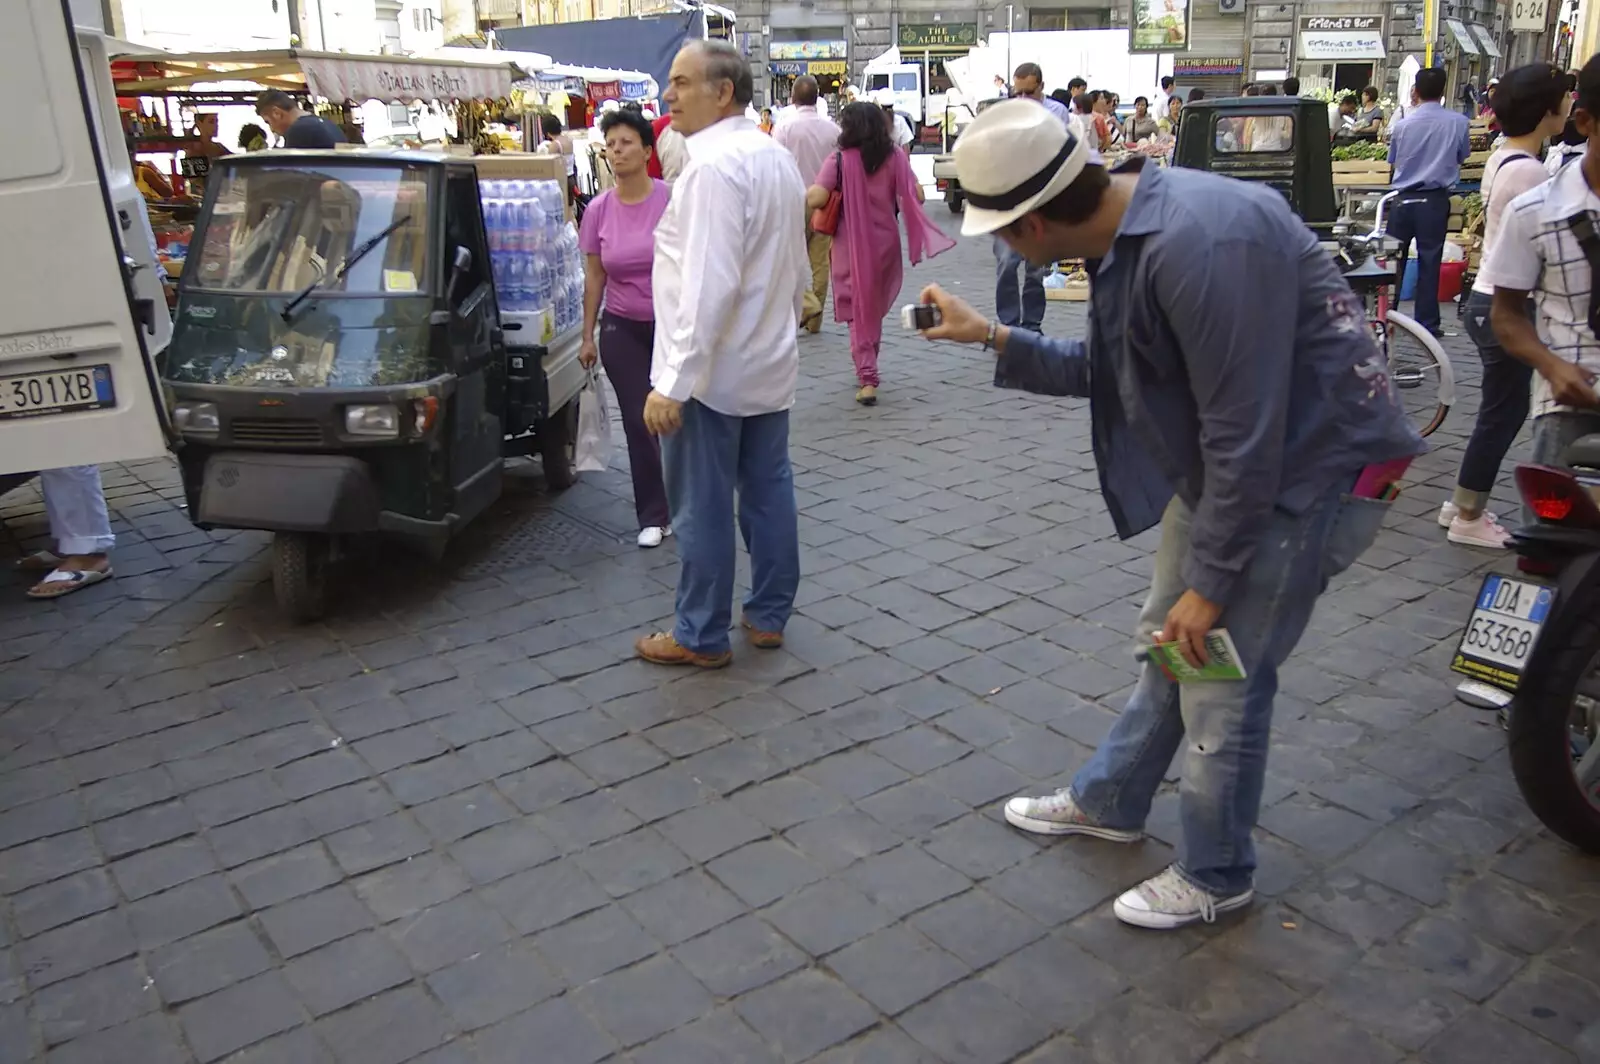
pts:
[713, 253]
[1233, 311]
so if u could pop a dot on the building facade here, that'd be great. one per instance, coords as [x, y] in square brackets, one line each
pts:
[1342, 45]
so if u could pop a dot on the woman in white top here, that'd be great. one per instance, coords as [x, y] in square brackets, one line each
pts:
[1531, 103]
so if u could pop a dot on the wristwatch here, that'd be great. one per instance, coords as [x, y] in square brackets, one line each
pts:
[988, 338]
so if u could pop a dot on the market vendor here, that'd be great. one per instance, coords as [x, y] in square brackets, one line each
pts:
[297, 128]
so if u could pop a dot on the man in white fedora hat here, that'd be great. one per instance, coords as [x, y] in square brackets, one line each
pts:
[1237, 399]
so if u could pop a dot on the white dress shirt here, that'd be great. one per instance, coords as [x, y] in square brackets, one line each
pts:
[810, 136]
[730, 273]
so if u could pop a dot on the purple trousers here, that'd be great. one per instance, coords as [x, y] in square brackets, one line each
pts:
[625, 347]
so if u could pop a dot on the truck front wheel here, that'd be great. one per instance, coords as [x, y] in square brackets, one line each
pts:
[300, 575]
[558, 436]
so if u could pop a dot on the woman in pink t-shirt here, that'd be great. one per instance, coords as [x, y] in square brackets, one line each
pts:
[617, 237]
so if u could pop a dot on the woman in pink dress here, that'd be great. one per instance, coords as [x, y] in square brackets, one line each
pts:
[878, 191]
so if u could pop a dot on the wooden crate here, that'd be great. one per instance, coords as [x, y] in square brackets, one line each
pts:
[1358, 166]
[1077, 293]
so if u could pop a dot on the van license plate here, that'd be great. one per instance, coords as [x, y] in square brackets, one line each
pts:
[56, 392]
[1502, 630]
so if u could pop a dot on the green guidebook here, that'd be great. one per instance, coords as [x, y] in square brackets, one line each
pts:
[1224, 663]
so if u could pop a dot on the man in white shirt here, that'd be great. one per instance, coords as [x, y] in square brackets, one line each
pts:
[730, 277]
[811, 137]
[1539, 252]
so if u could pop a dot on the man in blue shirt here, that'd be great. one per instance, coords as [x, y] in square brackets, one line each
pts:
[1426, 148]
[1237, 398]
[1026, 310]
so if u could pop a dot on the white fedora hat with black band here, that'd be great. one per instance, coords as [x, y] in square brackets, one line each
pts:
[1012, 158]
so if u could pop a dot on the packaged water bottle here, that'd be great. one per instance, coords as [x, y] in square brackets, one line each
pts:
[536, 224]
[492, 226]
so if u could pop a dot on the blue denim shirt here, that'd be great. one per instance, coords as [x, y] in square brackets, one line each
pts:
[1227, 362]
[1428, 146]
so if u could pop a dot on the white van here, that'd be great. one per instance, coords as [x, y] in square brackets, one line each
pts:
[81, 305]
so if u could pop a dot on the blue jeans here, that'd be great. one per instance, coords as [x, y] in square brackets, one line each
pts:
[1027, 309]
[704, 461]
[1227, 723]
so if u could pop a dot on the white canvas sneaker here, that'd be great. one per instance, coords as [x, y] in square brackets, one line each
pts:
[1058, 814]
[1486, 531]
[653, 535]
[1167, 900]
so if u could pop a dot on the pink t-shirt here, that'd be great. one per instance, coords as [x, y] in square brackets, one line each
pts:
[624, 236]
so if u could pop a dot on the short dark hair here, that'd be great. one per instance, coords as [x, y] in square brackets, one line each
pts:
[861, 126]
[1269, 90]
[805, 91]
[1252, 90]
[1430, 83]
[724, 63]
[1028, 70]
[275, 98]
[551, 125]
[248, 133]
[1137, 100]
[1076, 203]
[1370, 93]
[1350, 98]
[1527, 96]
[634, 120]
[1061, 96]
[1166, 82]
[1077, 83]
[1196, 94]
[1291, 86]
[1084, 102]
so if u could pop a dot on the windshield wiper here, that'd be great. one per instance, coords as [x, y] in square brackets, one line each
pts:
[355, 256]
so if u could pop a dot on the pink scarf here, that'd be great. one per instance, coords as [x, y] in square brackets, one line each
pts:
[922, 236]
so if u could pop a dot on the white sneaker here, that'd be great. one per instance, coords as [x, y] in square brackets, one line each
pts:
[1486, 531]
[653, 535]
[1450, 511]
[1167, 900]
[1058, 814]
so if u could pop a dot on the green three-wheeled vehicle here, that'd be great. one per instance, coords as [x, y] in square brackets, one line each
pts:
[340, 364]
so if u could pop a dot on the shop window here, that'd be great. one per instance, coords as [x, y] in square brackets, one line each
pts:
[1070, 18]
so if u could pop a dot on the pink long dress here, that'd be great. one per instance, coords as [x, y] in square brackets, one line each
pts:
[867, 266]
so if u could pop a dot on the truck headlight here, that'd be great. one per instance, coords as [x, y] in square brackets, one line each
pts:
[199, 419]
[380, 419]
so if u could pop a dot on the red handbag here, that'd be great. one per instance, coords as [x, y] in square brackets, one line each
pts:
[825, 219]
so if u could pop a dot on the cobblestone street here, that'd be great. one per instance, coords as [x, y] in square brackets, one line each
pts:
[458, 822]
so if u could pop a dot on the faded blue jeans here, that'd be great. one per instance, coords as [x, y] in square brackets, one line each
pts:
[1227, 724]
[704, 461]
[1027, 309]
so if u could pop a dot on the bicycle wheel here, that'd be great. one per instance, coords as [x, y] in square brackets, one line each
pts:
[1421, 372]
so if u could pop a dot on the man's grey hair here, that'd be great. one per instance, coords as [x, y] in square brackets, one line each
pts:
[724, 63]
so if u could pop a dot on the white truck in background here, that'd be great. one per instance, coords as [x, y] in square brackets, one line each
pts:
[81, 305]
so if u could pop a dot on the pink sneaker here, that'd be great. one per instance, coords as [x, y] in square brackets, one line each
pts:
[1486, 531]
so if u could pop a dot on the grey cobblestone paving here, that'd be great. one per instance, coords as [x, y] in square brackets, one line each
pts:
[457, 823]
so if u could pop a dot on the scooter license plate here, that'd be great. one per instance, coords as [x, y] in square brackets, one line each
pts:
[59, 391]
[1502, 630]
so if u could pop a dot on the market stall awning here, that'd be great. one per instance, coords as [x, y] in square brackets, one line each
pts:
[333, 76]
[1464, 39]
[1486, 39]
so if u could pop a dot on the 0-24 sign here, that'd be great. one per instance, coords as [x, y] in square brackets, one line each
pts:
[1528, 15]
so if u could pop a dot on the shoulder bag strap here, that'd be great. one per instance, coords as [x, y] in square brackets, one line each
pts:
[1583, 231]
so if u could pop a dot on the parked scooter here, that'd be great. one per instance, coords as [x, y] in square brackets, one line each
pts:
[1538, 636]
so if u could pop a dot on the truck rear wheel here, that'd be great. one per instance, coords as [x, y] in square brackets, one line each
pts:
[955, 200]
[300, 575]
[558, 437]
